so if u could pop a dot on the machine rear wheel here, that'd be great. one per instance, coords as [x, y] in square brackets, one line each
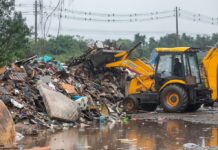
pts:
[130, 104]
[174, 99]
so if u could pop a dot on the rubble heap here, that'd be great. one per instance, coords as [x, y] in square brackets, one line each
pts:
[41, 92]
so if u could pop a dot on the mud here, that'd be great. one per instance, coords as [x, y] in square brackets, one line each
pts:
[129, 135]
[202, 116]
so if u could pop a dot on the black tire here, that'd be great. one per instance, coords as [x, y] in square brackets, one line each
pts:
[130, 104]
[174, 98]
[149, 107]
[193, 107]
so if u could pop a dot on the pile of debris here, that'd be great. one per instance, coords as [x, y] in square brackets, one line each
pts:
[41, 92]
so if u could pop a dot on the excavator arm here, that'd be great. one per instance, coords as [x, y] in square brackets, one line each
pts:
[210, 71]
[143, 72]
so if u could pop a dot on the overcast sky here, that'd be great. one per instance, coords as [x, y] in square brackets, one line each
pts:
[104, 30]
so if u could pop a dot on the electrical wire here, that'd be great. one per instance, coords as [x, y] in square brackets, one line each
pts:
[86, 13]
[60, 13]
[97, 14]
[49, 15]
[60, 17]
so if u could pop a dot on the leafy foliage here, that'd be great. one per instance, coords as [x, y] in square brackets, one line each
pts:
[62, 47]
[13, 33]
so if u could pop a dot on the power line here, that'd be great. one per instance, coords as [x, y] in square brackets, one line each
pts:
[60, 17]
[48, 16]
[112, 20]
[91, 19]
[97, 14]
[132, 17]
[61, 13]
[197, 17]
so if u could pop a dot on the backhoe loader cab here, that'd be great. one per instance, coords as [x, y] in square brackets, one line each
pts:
[177, 65]
[178, 79]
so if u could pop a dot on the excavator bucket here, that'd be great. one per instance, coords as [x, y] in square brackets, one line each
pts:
[7, 129]
[100, 56]
[103, 56]
[97, 57]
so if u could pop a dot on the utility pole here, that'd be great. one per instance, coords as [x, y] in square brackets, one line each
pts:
[36, 30]
[177, 28]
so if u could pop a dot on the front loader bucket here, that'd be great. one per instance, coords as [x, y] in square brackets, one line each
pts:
[103, 56]
[7, 129]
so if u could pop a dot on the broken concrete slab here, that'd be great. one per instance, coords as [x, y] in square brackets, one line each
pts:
[7, 129]
[58, 105]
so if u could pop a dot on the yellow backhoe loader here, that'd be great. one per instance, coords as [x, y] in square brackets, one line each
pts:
[178, 82]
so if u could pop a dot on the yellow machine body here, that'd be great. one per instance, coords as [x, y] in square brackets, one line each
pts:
[143, 80]
[143, 73]
[176, 94]
[210, 72]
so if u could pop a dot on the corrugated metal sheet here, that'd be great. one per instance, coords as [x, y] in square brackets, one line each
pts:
[18, 76]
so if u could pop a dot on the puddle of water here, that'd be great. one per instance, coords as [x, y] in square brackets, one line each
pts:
[136, 135]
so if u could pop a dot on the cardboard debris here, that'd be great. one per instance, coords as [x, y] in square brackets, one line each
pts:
[2, 70]
[16, 68]
[58, 105]
[69, 89]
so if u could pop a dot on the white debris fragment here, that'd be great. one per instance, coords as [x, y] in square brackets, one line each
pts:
[16, 104]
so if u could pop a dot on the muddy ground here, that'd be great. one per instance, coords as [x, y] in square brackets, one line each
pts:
[203, 116]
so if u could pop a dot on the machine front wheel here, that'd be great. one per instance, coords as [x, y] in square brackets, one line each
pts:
[130, 104]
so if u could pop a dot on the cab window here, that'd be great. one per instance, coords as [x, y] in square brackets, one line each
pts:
[194, 66]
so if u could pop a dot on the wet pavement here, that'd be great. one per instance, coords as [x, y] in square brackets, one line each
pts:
[132, 135]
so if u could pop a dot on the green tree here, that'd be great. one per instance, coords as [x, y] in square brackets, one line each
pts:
[62, 47]
[14, 33]
[152, 44]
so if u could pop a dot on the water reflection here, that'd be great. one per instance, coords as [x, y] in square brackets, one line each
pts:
[167, 135]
